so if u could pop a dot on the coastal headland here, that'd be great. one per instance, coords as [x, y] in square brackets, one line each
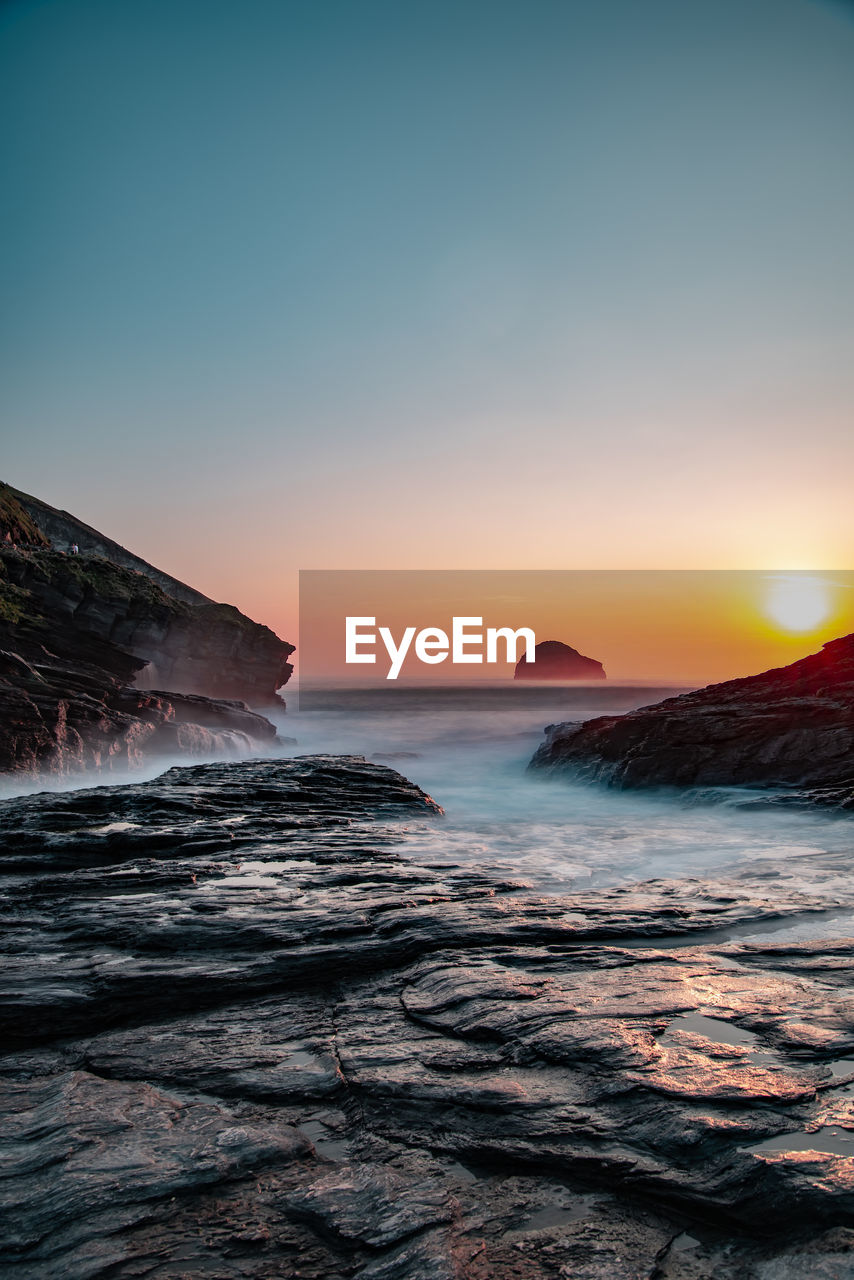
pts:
[107, 663]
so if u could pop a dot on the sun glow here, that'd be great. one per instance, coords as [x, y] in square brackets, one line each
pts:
[798, 603]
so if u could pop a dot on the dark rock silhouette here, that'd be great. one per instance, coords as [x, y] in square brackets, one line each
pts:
[244, 1038]
[554, 660]
[792, 727]
[89, 644]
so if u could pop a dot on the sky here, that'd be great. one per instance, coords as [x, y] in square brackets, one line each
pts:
[431, 285]
[684, 627]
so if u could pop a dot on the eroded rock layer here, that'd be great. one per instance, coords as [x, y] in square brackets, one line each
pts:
[91, 636]
[191, 647]
[245, 1039]
[792, 728]
[68, 707]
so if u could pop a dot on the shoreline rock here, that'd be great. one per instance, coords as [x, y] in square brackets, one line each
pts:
[246, 1038]
[60, 721]
[790, 728]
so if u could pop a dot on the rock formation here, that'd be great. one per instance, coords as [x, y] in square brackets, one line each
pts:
[191, 644]
[245, 1039]
[88, 644]
[554, 660]
[71, 708]
[61, 531]
[792, 727]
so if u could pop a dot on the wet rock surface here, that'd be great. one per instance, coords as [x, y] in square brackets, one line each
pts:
[244, 1038]
[790, 728]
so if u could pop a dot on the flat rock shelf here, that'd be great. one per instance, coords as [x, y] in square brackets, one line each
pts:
[245, 1038]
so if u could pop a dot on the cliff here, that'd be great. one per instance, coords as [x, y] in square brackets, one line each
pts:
[792, 727]
[554, 660]
[71, 709]
[89, 645]
[188, 642]
[61, 530]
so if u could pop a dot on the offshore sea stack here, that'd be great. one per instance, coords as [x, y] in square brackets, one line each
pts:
[554, 660]
[105, 660]
[792, 727]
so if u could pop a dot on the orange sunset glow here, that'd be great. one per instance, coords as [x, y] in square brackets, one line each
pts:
[677, 627]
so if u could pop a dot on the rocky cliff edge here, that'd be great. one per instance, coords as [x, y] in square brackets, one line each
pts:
[792, 727]
[89, 646]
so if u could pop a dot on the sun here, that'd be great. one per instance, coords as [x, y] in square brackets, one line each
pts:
[798, 602]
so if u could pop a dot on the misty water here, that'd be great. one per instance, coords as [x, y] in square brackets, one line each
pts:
[469, 748]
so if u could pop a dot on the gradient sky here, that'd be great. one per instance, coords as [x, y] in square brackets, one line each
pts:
[688, 627]
[437, 284]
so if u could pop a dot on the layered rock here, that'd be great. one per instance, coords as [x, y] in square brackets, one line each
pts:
[792, 727]
[107, 662]
[245, 1039]
[201, 647]
[554, 660]
[71, 709]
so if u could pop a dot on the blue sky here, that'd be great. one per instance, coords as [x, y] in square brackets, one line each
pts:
[431, 284]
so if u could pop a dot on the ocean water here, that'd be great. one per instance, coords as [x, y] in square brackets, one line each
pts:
[469, 748]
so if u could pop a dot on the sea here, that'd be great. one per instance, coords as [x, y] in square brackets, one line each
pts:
[469, 748]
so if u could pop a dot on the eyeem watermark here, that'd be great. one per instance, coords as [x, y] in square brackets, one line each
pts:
[433, 645]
